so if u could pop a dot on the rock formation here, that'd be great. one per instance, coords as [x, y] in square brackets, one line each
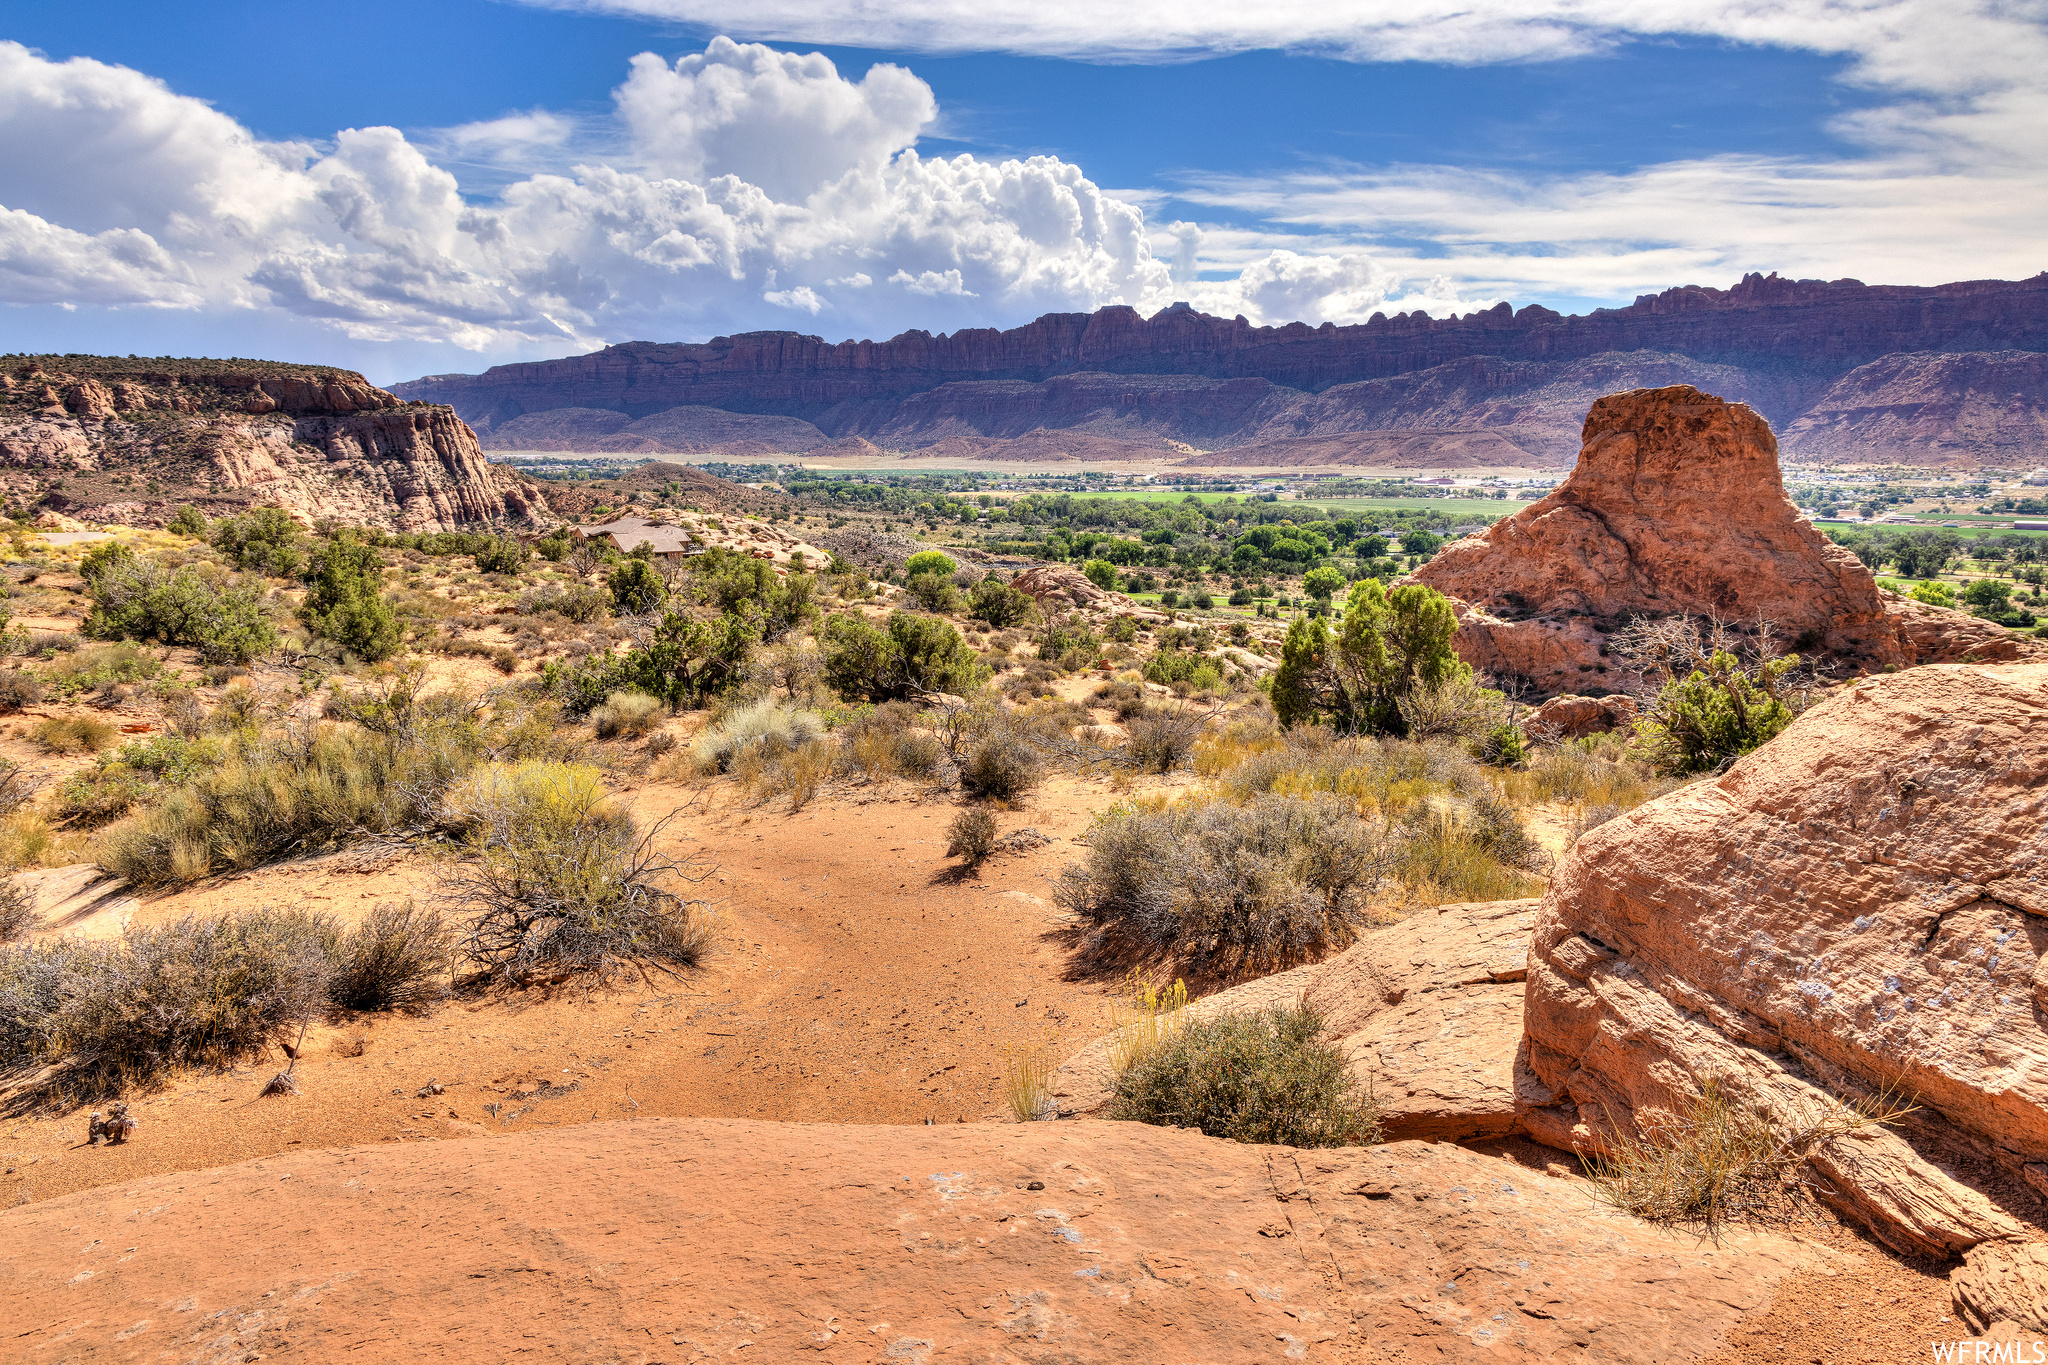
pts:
[1428, 1011]
[1676, 506]
[1856, 909]
[690, 1239]
[1062, 587]
[1499, 385]
[1570, 717]
[133, 440]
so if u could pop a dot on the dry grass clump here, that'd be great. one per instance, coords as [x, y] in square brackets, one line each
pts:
[560, 882]
[1476, 850]
[769, 771]
[766, 725]
[303, 788]
[1140, 1018]
[1162, 739]
[1255, 887]
[626, 714]
[18, 688]
[396, 959]
[1717, 1161]
[972, 836]
[1266, 1076]
[882, 743]
[1002, 766]
[73, 734]
[1597, 778]
[1027, 1082]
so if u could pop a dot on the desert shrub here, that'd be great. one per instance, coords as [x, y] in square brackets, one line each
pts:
[1068, 643]
[17, 915]
[73, 734]
[631, 714]
[266, 540]
[135, 599]
[395, 959]
[46, 644]
[880, 744]
[1714, 714]
[501, 554]
[998, 603]
[1174, 666]
[18, 688]
[935, 562]
[344, 603]
[560, 882]
[771, 769]
[579, 602]
[189, 521]
[1162, 740]
[1001, 765]
[1101, 573]
[799, 670]
[1451, 707]
[1027, 1082]
[306, 788]
[1265, 1076]
[972, 836]
[1715, 1160]
[636, 587]
[767, 724]
[555, 546]
[1276, 881]
[99, 666]
[933, 593]
[197, 992]
[911, 656]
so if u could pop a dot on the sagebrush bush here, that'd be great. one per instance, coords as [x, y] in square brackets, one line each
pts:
[196, 992]
[1162, 740]
[1001, 766]
[17, 912]
[561, 882]
[628, 714]
[767, 724]
[100, 666]
[73, 734]
[18, 688]
[1262, 886]
[972, 836]
[301, 789]
[139, 772]
[1267, 1076]
[579, 602]
[395, 959]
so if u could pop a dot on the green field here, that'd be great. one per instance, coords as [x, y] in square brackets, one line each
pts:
[1488, 509]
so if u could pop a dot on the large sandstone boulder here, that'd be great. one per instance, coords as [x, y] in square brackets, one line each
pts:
[1428, 1011]
[701, 1239]
[1059, 587]
[1676, 505]
[1858, 908]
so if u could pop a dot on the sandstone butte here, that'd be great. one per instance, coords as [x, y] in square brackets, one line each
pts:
[320, 442]
[1676, 506]
[1872, 374]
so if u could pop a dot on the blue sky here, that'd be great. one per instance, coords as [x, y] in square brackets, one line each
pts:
[540, 193]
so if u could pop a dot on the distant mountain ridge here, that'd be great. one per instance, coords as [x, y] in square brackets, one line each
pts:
[1958, 379]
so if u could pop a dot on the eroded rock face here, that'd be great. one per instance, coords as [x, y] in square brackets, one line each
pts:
[1577, 717]
[1676, 506]
[321, 442]
[1856, 907]
[685, 1239]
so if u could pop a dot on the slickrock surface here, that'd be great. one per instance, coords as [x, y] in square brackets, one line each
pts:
[1676, 505]
[1428, 1011]
[681, 1240]
[1858, 906]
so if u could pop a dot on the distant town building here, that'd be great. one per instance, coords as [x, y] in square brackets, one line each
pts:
[630, 533]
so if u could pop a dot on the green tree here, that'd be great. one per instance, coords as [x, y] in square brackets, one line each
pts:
[998, 603]
[266, 540]
[344, 604]
[636, 587]
[1355, 677]
[1101, 573]
[684, 661]
[1323, 583]
[928, 561]
[501, 554]
[190, 521]
[135, 599]
[914, 655]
